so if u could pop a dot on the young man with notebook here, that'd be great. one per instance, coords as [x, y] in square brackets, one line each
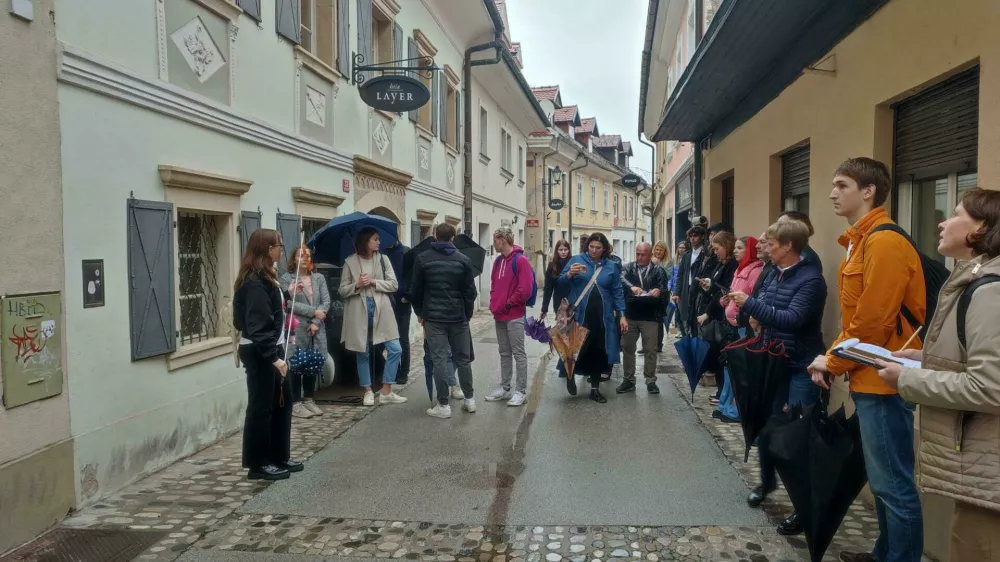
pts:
[880, 274]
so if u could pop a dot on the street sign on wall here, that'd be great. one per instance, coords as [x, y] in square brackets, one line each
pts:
[631, 180]
[395, 93]
[532, 222]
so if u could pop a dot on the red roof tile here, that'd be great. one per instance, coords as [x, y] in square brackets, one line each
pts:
[568, 114]
[588, 125]
[546, 93]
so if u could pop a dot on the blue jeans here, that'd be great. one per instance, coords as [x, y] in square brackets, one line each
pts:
[887, 439]
[799, 390]
[392, 347]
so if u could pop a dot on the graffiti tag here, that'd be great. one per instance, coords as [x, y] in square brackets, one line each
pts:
[30, 341]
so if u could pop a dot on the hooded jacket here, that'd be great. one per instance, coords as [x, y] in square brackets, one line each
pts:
[443, 287]
[958, 390]
[509, 291]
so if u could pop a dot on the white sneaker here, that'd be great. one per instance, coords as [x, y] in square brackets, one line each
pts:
[469, 405]
[369, 399]
[299, 411]
[456, 393]
[517, 399]
[439, 411]
[391, 398]
[498, 395]
[313, 408]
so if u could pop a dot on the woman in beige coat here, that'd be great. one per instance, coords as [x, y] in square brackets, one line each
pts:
[958, 386]
[366, 285]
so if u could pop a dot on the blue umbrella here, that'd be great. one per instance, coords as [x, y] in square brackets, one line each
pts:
[334, 242]
[692, 352]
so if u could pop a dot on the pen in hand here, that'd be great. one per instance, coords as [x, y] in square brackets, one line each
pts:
[912, 337]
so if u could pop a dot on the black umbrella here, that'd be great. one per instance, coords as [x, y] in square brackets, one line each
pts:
[822, 465]
[756, 371]
[465, 244]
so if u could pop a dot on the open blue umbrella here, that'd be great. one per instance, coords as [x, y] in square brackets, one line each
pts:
[692, 352]
[334, 242]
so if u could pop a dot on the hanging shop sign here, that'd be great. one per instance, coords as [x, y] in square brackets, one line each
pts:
[556, 204]
[631, 180]
[395, 93]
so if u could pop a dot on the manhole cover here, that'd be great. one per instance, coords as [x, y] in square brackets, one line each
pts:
[80, 545]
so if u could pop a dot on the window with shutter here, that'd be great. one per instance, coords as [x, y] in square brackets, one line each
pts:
[443, 88]
[319, 28]
[249, 223]
[290, 228]
[343, 39]
[795, 180]
[412, 53]
[251, 8]
[150, 238]
[435, 102]
[365, 44]
[415, 233]
[397, 41]
[459, 140]
[288, 19]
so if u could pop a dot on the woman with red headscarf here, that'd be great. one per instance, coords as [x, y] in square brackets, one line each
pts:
[744, 279]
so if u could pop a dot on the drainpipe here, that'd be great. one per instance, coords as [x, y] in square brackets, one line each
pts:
[496, 44]
[572, 170]
[652, 188]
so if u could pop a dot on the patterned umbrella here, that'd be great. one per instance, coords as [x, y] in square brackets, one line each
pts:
[567, 336]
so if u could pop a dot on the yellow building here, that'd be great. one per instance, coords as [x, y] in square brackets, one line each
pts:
[774, 101]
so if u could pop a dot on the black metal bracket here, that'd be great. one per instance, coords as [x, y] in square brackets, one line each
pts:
[425, 66]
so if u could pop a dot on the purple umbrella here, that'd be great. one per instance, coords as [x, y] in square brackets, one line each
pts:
[536, 330]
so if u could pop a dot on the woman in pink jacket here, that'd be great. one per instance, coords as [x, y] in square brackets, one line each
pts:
[743, 281]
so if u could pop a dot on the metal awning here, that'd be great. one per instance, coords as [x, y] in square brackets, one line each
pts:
[752, 51]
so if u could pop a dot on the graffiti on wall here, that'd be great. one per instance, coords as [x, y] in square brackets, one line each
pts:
[31, 348]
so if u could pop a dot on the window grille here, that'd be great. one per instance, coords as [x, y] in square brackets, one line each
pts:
[198, 265]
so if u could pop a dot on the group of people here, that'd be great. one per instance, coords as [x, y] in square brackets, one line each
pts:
[718, 287]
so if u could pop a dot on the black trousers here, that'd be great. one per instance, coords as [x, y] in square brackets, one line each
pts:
[403, 311]
[267, 431]
[302, 385]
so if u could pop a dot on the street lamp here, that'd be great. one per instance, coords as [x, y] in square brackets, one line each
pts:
[555, 178]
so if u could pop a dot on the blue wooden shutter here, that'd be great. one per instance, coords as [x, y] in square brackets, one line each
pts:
[414, 233]
[343, 39]
[443, 90]
[397, 44]
[289, 227]
[249, 223]
[287, 19]
[250, 7]
[435, 98]
[365, 42]
[151, 278]
[459, 141]
[413, 53]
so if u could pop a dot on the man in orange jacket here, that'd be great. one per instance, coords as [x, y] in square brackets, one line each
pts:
[880, 274]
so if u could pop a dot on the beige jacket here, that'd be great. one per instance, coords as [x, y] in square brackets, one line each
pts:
[355, 333]
[959, 393]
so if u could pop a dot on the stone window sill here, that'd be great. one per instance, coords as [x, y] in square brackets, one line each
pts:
[506, 175]
[484, 159]
[194, 353]
[318, 67]
[424, 132]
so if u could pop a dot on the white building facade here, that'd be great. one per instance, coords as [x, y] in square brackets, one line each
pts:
[206, 119]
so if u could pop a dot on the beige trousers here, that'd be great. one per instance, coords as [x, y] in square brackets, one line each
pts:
[975, 534]
[650, 332]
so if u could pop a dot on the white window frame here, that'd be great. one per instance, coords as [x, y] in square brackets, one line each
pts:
[904, 213]
[484, 130]
[607, 195]
[593, 195]
[579, 193]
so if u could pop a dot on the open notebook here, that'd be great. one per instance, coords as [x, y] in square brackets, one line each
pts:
[867, 354]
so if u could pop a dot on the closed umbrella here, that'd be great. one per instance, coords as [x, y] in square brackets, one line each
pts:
[692, 352]
[756, 371]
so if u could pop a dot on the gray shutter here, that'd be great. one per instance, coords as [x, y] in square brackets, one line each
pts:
[414, 233]
[151, 278]
[287, 19]
[249, 223]
[443, 90]
[459, 140]
[412, 53]
[365, 45]
[251, 7]
[435, 98]
[795, 173]
[343, 39]
[397, 43]
[937, 131]
[288, 228]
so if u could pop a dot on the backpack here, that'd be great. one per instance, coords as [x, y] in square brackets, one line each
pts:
[966, 299]
[935, 275]
[533, 297]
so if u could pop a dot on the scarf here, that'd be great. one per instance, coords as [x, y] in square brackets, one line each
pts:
[750, 255]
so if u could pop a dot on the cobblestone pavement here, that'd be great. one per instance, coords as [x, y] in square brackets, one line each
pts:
[195, 502]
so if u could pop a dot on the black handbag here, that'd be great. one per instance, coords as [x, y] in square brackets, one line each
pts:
[714, 331]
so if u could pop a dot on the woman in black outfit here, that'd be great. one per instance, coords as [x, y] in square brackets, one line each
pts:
[554, 292]
[258, 313]
[717, 277]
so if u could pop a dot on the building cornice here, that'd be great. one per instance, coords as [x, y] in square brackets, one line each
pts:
[424, 43]
[303, 195]
[500, 205]
[84, 70]
[176, 177]
[372, 168]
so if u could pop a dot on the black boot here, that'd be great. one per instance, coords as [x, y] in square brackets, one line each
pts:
[293, 466]
[596, 396]
[790, 526]
[757, 496]
[267, 472]
[625, 386]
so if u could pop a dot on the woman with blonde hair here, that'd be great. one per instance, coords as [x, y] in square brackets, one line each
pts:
[258, 314]
[310, 305]
[661, 258]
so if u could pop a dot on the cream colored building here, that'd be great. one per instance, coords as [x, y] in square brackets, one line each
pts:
[850, 82]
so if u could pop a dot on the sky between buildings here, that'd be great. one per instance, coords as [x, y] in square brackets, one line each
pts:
[593, 50]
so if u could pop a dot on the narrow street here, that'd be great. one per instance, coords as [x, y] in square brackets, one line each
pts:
[640, 478]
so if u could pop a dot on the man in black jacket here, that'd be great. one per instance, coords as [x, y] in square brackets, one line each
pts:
[687, 283]
[443, 295]
[645, 287]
